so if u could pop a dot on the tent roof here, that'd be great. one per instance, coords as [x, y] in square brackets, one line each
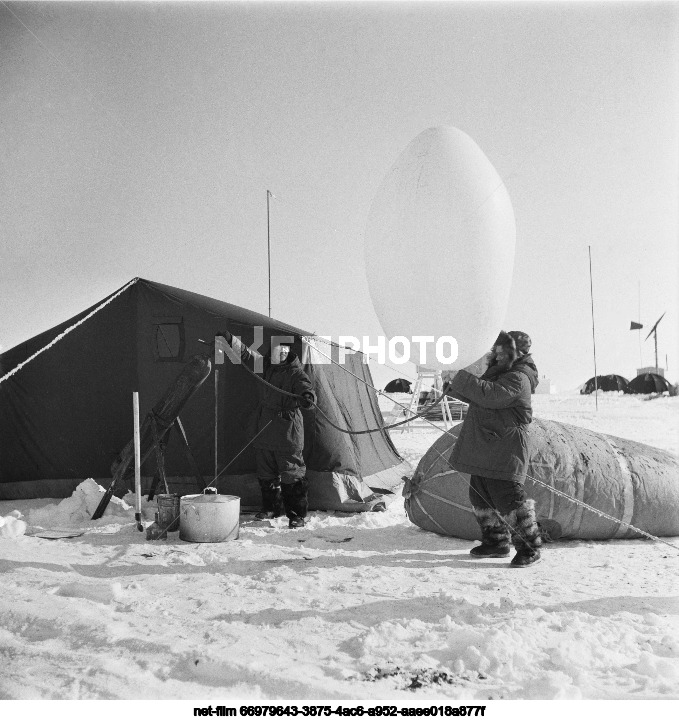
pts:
[17, 354]
[223, 309]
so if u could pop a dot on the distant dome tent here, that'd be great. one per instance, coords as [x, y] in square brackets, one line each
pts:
[398, 385]
[67, 413]
[611, 382]
[649, 383]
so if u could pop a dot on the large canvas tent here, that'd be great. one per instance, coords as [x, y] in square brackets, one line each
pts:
[66, 414]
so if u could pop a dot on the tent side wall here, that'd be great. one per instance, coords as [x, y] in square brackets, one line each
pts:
[62, 416]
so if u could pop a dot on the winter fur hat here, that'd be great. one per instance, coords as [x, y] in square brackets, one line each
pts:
[516, 344]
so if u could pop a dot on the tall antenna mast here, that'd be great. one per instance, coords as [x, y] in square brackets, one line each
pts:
[268, 245]
[591, 292]
[641, 361]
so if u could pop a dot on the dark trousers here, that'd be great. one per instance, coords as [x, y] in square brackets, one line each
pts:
[503, 496]
[272, 465]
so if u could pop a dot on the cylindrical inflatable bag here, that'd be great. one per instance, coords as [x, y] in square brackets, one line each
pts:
[634, 483]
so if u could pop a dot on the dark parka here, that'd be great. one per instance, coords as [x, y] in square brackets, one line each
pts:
[493, 441]
[285, 431]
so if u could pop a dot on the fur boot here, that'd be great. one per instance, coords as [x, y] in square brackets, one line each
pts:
[272, 500]
[525, 534]
[296, 500]
[494, 535]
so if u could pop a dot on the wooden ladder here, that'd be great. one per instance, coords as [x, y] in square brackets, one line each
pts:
[429, 378]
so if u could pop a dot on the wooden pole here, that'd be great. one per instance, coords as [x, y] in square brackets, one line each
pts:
[216, 419]
[655, 339]
[137, 462]
[591, 292]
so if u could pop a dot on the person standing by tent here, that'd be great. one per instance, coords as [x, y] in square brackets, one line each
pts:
[493, 448]
[281, 470]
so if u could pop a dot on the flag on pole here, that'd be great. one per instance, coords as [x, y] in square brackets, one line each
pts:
[635, 326]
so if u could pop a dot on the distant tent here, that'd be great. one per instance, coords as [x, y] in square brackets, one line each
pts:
[648, 383]
[398, 385]
[610, 382]
[66, 414]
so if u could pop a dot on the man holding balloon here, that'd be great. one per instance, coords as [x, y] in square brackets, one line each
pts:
[493, 447]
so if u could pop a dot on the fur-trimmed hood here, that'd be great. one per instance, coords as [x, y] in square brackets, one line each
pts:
[526, 365]
[518, 361]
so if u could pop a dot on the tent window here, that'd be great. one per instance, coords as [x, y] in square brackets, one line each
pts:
[169, 339]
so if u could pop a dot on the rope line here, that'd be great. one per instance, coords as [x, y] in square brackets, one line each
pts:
[393, 425]
[345, 430]
[241, 450]
[67, 331]
[399, 371]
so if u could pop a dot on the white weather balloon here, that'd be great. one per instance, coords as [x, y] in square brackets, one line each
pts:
[439, 245]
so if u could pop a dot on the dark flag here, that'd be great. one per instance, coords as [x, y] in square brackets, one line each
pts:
[635, 326]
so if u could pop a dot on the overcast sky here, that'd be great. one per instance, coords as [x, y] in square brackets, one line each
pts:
[140, 140]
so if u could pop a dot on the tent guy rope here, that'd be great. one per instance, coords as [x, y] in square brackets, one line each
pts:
[345, 430]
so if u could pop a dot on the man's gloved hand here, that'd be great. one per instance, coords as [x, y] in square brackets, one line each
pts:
[307, 400]
[227, 336]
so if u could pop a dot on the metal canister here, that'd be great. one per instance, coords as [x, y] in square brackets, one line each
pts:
[168, 511]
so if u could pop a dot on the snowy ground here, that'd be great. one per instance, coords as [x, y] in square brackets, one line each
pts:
[350, 607]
